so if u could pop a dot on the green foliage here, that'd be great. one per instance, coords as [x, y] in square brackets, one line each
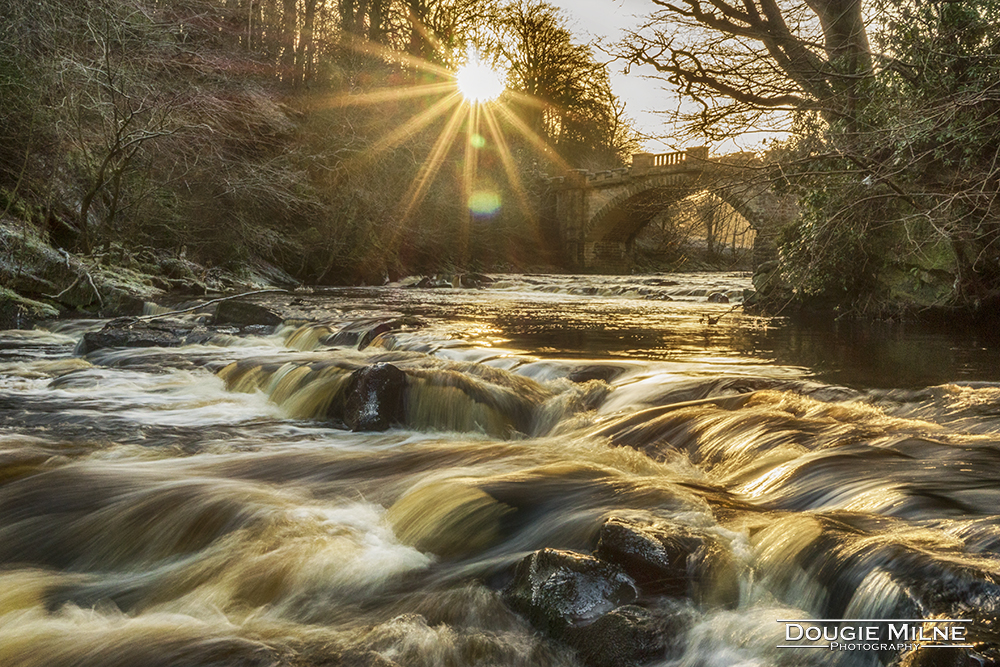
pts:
[838, 247]
[908, 183]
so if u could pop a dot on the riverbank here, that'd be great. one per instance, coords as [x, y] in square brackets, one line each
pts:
[39, 281]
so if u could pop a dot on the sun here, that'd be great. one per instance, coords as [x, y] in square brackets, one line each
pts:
[478, 82]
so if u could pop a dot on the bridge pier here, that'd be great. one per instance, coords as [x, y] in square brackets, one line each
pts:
[609, 256]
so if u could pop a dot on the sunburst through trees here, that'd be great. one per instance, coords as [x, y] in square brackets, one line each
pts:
[517, 89]
[341, 139]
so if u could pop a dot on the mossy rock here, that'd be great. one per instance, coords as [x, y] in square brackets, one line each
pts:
[919, 287]
[18, 312]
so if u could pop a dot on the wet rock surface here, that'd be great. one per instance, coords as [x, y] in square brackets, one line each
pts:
[243, 314]
[557, 590]
[128, 332]
[670, 559]
[632, 600]
[627, 635]
[586, 603]
[375, 396]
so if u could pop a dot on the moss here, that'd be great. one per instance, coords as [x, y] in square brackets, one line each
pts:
[18, 312]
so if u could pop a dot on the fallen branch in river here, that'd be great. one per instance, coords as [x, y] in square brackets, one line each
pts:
[147, 318]
[715, 320]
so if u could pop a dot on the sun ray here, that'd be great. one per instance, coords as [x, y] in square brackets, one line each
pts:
[432, 164]
[469, 175]
[404, 131]
[530, 100]
[536, 140]
[514, 178]
[507, 160]
[393, 94]
[426, 33]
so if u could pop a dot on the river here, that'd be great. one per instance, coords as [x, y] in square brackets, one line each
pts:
[206, 504]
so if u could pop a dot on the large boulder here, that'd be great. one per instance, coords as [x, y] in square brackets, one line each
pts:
[243, 313]
[375, 398]
[557, 590]
[129, 332]
[670, 559]
[586, 603]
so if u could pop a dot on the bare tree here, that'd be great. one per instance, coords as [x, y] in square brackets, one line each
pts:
[109, 93]
[742, 61]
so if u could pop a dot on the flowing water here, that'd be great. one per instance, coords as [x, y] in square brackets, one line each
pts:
[205, 505]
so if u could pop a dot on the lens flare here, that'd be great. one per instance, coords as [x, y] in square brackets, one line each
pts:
[484, 203]
[478, 82]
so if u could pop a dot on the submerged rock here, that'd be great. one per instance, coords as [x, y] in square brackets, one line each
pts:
[718, 297]
[671, 560]
[605, 372]
[375, 398]
[361, 333]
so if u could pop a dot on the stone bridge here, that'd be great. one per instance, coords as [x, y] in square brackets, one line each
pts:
[597, 215]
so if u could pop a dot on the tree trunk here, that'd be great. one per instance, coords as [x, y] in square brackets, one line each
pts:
[288, 31]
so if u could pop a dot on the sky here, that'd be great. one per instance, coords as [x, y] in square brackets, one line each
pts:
[607, 19]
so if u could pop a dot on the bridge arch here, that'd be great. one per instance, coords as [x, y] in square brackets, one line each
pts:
[599, 214]
[627, 213]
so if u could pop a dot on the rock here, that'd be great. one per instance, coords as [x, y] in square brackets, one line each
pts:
[475, 280]
[18, 312]
[766, 278]
[586, 603]
[244, 313]
[718, 297]
[627, 635]
[671, 560]
[361, 333]
[606, 373]
[128, 332]
[375, 398]
[558, 590]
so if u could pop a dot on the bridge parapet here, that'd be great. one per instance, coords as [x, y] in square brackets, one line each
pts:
[642, 165]
[646, 162]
